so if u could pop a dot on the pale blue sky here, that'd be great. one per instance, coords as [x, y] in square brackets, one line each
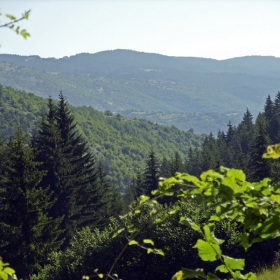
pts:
[217, 29]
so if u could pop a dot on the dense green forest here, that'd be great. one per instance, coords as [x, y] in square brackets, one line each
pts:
[62, 208]
[124, 81]
[121, 144]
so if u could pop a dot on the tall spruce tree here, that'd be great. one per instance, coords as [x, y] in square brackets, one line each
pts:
[71, 169]
[27, 234]
[176, 164]
[151, 174]
[260, 168]
[274, 123]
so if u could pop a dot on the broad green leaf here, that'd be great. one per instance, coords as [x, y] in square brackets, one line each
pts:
[237, 174]
[148, 241]
[210, 175]
[215, 218]
[100, 275]
[222, 268]
[275, 198]
[209, 235]
[3, 275]
[206, 251]
[9, 270]
[234, 264]
[137, 211]
[269, 227]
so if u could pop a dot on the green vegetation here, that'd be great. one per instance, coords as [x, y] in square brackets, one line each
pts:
[120, 144]
[63, 209]
[186, 92]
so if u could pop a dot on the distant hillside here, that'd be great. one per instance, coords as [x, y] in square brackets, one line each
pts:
[124, 81]
[121, 144]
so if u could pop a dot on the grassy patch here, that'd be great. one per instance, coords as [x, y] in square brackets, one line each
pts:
[272, 272]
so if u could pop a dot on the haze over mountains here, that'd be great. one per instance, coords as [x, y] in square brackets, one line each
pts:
[198, 93]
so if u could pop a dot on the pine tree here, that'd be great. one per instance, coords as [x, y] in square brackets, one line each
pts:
[244, 139]
[268, 109]
[71, 169]
[209, 154]
[139, 183]
[260, 168]
[176, 164]
[165, 168]
[151, 174]
[27, 234]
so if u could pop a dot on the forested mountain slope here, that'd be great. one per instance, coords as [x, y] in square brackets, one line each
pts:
[121, 144]
[155, 86]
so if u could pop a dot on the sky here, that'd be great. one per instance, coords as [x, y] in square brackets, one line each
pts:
[218, 29]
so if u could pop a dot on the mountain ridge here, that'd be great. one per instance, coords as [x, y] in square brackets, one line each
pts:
[125, 81]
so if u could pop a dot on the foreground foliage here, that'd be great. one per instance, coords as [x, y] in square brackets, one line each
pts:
[254, 206]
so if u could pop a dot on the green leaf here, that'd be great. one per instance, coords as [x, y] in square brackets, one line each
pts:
[143, 199]
[132, 242]
[150, 250]
[188, 222]
[148, 241]
[9, 270]
[137, 211]
[118, 232]
[250, 276]
[275, 198]
[3, 275]
[159, 220]
[211, 276]
[100, 275]
[11, 17]
[159, 252]
[206, 251]
[234, 264]
[190, 273]
[222, 268]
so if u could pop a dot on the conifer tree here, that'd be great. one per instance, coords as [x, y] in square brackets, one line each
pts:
[274, 123]
[176, 164]
[210, 155]
[151, 174]
[71, 169]
[27, 234]
[139, 183]
[165, 168]
[260, 168]
[244, 140]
